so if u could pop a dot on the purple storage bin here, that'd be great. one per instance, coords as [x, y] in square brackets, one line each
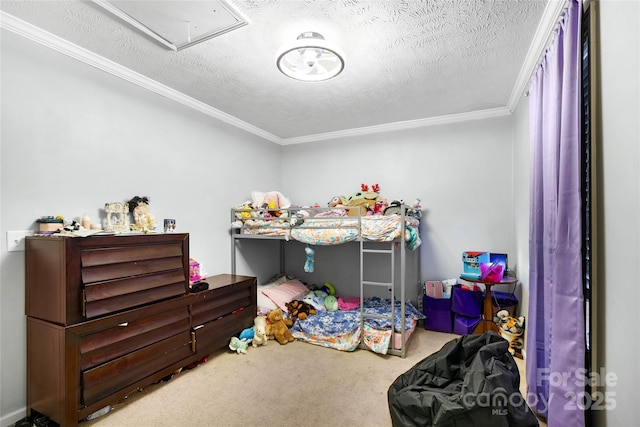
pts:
[463, 325]
[438, 314]
[467, 303]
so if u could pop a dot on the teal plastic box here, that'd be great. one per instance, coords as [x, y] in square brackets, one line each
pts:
[471, 264]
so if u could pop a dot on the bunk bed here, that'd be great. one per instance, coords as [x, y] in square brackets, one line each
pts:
[383, 325]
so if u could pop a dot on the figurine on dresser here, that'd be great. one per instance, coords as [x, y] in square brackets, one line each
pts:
[143, 219]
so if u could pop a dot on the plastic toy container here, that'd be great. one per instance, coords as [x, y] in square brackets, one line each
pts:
[438, 314]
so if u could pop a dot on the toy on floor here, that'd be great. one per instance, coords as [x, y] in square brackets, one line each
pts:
[278, 327]
[247, 334]
[259, 331]
[239, 345]
[308, 265]
[511, 329]
[299, 309]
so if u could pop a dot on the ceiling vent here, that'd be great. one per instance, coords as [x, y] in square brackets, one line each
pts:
[177, 24]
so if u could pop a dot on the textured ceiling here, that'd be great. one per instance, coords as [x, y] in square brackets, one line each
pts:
[406, 60]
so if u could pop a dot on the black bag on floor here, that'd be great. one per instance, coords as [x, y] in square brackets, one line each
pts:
[471, 381]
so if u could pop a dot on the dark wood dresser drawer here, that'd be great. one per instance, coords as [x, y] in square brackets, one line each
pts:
[216, 334]
[228, 307]
[119, 373]
[70, 280]
[109, 344]
[121, 277]
[214, 305]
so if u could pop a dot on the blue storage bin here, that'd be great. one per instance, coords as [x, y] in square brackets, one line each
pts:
[463, 325]
[467, 303]
[438, 314]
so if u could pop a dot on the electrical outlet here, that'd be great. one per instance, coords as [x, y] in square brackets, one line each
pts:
[15, 240]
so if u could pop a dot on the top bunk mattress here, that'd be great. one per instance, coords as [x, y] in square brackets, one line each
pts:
[333, 230]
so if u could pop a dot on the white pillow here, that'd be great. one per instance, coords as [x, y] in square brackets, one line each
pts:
[264, 303]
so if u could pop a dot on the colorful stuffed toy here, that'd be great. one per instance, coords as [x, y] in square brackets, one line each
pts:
[511, 329]
[239, 345]
[331, 303]
[308, 265]
[278, 327]
[259, 331]
[299, 309]
[328, 288]
[363, 201]
[246, 334]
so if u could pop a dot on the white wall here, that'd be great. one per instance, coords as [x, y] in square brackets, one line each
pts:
[462, 173]
[74, 137]
[619, 209]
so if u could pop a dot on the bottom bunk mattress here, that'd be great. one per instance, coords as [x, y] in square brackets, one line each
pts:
[342, 329]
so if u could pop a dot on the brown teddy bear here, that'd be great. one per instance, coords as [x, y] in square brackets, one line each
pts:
[278, 327]
[299, 309]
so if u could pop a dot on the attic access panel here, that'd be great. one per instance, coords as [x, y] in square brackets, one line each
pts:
[177, 24]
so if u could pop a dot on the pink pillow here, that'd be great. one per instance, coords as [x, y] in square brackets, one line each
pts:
[286, 292]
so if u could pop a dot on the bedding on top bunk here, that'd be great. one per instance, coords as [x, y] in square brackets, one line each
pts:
[337, 230]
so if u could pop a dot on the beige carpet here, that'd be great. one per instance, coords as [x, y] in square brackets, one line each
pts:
[296, 384]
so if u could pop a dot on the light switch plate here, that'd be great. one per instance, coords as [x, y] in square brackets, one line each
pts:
[15, 240]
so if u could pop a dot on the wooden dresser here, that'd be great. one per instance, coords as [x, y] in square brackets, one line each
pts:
[107, 315]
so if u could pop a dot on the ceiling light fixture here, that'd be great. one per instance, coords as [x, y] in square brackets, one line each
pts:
[310, 58]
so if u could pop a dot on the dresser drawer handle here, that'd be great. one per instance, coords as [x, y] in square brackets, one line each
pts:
[124, 324]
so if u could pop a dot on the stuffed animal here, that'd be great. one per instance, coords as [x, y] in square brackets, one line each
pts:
[259, 331]
[274, 202]
[278, 327]
[247, 334]
[363, 201]
[394, 208]
[511, 329]
[143, 218]
[337, 201]
[299, 309]
[331, 303]
[239, 345]
[328, 288]
[243, 211]
[308, 264]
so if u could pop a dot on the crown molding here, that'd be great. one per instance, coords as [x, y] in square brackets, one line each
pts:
[550, 18]
[44, 38]
[405, 125]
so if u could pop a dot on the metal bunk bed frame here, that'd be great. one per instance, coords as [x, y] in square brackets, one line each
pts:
[366, 247]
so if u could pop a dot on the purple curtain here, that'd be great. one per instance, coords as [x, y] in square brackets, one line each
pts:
[555, 324]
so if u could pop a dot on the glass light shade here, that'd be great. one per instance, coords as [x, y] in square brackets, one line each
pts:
[310, 58]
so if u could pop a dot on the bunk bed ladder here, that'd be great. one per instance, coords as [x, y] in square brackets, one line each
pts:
[384, 249]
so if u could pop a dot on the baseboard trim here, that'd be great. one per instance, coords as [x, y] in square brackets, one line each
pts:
[8, 420]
